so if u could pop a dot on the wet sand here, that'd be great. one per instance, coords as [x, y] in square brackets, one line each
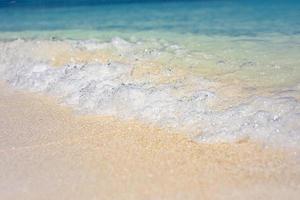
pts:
[48, 152]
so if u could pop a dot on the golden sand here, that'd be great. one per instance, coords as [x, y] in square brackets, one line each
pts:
[48, 152]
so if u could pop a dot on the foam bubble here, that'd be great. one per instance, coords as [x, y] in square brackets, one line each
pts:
[190, 103]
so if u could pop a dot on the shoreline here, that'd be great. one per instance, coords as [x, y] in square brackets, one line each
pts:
[183, 100]
[137, 80]
[48, 150]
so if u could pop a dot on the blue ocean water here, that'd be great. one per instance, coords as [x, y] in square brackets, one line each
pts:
[210, 17]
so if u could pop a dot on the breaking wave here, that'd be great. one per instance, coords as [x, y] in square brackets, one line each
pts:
[194, 104]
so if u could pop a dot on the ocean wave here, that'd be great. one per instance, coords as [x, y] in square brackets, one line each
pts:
[207, 110]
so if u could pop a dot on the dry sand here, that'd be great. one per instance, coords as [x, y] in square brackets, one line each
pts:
[48, 152]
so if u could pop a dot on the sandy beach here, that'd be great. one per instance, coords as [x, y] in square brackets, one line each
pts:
[49, 152]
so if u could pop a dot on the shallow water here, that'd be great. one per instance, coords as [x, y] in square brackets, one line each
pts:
[216, 70]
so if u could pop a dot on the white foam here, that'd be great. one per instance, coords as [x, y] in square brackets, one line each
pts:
[110, 89]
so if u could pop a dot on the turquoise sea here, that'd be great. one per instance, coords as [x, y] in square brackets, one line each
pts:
[202, 17]
[218, 70]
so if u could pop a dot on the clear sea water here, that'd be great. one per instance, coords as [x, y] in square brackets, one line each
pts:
[226, 68]
[209, 17]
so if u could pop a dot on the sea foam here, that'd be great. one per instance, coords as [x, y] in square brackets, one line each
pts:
[193, 104]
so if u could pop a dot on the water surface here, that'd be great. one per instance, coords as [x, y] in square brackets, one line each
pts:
[219, 69]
